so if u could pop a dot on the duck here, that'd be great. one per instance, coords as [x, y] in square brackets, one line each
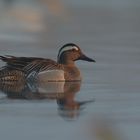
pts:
[43, 69]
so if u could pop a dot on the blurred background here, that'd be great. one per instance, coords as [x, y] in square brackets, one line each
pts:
[108, 31]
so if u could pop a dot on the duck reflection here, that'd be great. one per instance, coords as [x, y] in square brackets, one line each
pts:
[68, 107]
[63, 92]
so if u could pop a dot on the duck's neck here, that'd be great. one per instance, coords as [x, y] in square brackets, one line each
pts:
[66, 62]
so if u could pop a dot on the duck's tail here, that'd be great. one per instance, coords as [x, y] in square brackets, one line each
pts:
[6, 58]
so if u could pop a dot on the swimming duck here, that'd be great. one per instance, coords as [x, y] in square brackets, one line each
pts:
[44, 69]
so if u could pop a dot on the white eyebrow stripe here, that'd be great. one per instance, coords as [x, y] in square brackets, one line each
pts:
[66, 49]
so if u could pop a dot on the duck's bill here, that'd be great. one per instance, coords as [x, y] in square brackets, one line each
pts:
[85, 58]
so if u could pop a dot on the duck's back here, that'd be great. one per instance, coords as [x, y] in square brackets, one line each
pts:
[18, 62]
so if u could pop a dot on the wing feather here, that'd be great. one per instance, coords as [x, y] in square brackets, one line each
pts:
[42, 65]
[18, 62]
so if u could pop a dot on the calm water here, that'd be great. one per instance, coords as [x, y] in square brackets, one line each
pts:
[109, 35]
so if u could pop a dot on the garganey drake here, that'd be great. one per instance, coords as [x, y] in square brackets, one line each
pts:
[43, 69]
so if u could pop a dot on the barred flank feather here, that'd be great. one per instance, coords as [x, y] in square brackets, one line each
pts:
[11, 80]
[11, 87]
[7, 76]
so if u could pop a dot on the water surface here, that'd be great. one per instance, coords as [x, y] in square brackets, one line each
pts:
[109, 35]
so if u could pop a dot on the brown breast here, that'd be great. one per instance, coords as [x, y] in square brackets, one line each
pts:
[72, 73]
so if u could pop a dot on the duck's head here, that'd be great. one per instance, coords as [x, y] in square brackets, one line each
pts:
[71, 52]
